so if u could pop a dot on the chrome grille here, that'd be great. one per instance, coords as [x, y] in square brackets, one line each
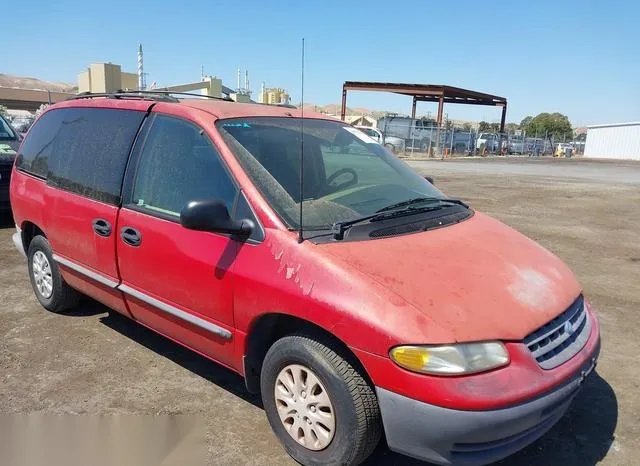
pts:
[562, 338]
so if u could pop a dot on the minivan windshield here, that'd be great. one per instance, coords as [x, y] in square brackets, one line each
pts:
[346, 174]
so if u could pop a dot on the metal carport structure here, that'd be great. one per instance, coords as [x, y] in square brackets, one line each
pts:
[428, 93]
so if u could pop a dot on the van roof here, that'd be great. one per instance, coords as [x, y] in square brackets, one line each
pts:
[220, 108]
[226, 109]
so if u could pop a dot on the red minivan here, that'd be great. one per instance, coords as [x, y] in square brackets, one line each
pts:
[296, 251]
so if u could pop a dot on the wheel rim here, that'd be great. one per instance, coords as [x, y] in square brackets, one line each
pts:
[304, 407]
[42, 274]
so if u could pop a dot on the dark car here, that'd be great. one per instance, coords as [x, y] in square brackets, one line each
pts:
[9, 142]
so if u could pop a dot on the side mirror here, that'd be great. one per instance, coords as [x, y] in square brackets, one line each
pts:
[212, 215]
[429, 179]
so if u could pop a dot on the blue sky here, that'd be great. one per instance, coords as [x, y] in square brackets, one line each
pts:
[581, 58]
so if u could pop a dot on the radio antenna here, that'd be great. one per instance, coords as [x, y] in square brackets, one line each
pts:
[300, 237]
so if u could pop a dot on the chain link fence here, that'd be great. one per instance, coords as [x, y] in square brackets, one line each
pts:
[424, 138]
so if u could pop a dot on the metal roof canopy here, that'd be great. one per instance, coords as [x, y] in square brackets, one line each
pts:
[428, 93]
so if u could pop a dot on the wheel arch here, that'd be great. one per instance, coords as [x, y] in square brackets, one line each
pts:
[29, 231]
[270, 327]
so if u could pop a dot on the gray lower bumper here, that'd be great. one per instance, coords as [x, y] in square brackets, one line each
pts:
[17, 241]
[452, 437]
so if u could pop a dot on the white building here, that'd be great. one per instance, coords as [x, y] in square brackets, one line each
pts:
[617, 141]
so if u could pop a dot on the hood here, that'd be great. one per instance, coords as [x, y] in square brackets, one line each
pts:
[477, 280]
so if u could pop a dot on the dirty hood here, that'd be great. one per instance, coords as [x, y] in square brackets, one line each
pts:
[476, 280]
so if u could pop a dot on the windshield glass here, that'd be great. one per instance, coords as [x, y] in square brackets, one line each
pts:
[346, 174]
[6, 131]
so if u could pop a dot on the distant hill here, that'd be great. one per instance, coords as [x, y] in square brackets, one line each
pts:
[7, 80]
[334, 109]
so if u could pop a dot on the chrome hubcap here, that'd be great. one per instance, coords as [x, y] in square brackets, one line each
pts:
[304, 407]
[42, 274]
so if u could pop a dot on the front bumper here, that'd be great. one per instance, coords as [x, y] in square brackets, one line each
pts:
[453, 437]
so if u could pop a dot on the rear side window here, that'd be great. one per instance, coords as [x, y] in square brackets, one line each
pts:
[90, 150]
[179, 164]
[37, 148]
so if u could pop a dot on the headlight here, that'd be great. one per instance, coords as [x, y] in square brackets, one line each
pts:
[460, 359]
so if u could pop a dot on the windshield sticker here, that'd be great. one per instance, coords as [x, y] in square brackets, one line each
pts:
[360, 135]
[236, 125]
[6, 149]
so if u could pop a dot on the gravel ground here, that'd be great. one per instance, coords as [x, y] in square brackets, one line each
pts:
[97, 362]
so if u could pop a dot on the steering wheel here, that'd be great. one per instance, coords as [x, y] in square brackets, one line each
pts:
[346, 184]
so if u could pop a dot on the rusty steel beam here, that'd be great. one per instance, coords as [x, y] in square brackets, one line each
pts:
[449, 100]
[396, 88]
[426, 93]
[343, 109]
[504, 117]
[420, 89]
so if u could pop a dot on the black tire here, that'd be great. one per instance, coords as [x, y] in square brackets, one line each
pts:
[358, 425]
[62, 297]
[391, 147]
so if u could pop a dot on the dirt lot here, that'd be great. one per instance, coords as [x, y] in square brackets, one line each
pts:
[96, 362]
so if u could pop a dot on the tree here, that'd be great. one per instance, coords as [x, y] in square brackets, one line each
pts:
[552, 124]
[3, 111]
[448, 124]
[525, 122]
[511, 127]
[467, 126]
[484, 126]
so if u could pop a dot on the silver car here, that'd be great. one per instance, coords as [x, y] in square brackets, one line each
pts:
[394, 144]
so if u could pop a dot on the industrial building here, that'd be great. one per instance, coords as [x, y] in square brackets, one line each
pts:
[614, 141]
[109, 77]
[273, 96]
[106, 77]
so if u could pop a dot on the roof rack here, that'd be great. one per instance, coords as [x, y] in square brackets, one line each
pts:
[125, 95]
[159, 95]
[170, 93]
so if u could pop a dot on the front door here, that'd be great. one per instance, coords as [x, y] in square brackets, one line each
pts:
[177, 281]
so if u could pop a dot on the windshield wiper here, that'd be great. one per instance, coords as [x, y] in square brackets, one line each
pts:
[338, 228]
[418, 200]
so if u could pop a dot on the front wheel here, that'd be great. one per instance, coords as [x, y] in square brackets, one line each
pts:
[319, 405]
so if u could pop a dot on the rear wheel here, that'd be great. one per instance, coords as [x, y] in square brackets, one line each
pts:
[50, 289]
[319, 405]
[391, 147]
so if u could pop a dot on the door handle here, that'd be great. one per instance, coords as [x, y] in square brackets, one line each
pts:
[101, 227]
[131, 236]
